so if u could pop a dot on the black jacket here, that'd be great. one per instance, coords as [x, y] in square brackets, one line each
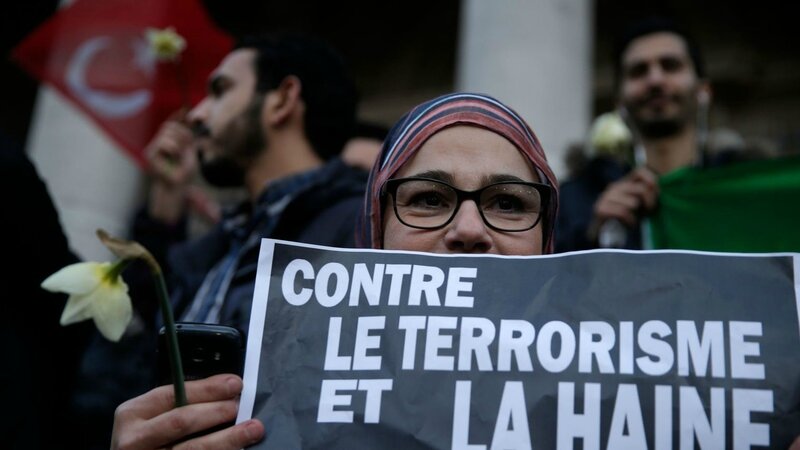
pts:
[576, 204]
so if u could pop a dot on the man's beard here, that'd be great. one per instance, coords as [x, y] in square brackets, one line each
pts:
[221, 172]
[241, 140]
[662, 126]
[657, 129]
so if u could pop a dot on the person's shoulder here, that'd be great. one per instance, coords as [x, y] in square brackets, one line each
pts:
[345, 173]
[333, 225]
[338, 182]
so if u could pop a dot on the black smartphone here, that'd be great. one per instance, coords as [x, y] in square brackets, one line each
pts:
[206, 350]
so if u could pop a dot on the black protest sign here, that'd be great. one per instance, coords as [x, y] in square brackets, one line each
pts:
[372, 349]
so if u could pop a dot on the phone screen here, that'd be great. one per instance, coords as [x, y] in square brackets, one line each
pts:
[206, 350]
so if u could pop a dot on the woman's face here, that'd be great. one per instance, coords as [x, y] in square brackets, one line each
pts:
[468, 158]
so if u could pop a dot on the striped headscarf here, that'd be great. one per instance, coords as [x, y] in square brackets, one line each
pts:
[427, 119]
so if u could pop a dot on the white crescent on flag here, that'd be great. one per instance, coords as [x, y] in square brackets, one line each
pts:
[105, 103]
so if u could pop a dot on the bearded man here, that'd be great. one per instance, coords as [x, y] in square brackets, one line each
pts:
[278, 113]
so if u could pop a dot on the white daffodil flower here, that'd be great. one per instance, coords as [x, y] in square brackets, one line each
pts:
[609, 134]
[96, 291]
[165, 44]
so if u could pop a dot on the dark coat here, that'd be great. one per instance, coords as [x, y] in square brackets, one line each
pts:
[323, 215]
[576, 208]
[40, 356]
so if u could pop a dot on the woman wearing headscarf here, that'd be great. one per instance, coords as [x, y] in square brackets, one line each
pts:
[446, 151]
[449, 149]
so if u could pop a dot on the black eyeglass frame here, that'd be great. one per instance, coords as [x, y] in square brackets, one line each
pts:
[391, 185]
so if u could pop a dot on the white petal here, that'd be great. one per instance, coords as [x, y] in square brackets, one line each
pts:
[77, 309]
[112, 311]
[80, 278]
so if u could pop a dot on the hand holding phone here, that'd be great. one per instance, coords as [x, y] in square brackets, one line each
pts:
[206, 350]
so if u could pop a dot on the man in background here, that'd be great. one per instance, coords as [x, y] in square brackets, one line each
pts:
[277, 114]
[663, 93]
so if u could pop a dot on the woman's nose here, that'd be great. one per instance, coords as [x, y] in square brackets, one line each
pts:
[467, 232]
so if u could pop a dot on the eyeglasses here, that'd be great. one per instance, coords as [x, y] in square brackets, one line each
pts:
[505, 206]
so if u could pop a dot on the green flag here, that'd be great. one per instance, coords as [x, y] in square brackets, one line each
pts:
[749, 206]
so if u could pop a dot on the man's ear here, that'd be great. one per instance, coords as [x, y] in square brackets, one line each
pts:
[704, 93]
[283, 102]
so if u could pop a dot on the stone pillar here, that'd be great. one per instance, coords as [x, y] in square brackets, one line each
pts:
[92, 182]
[535, 56]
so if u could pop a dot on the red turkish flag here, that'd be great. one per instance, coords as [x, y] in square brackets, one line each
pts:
[96, 54]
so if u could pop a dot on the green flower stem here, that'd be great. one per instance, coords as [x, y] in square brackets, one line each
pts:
[128, 251]
[172, 340]
[116, 269]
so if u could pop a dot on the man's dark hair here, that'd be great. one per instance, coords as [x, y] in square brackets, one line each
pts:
[652, 25]
[327, 89]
